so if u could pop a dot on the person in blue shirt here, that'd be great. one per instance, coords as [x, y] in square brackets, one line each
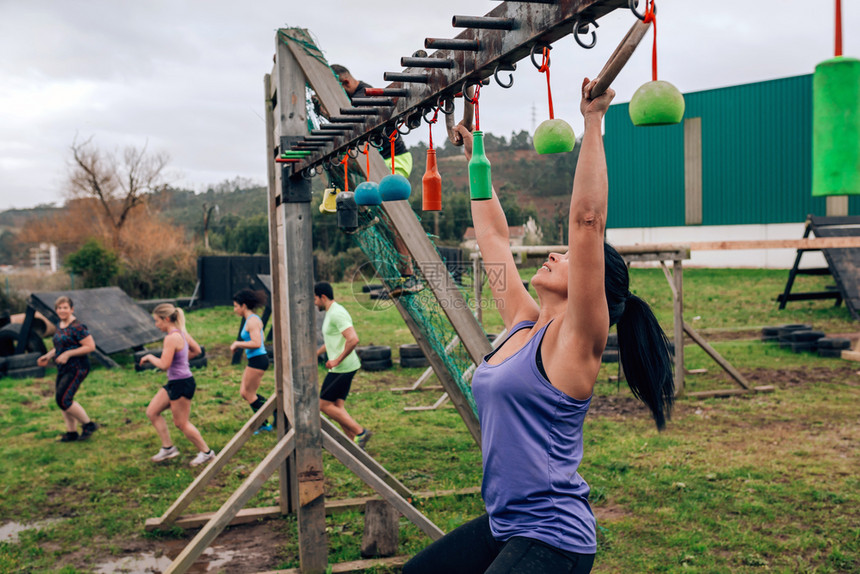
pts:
[534, 390]
[245, 302]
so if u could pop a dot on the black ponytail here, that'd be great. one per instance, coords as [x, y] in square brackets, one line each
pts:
[250, 298]
[643, 346]
[643, 349]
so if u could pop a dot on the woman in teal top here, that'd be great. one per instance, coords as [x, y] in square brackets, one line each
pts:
[244, 304]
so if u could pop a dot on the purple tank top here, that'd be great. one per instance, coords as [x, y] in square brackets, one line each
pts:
[532, 446]
[179, 368]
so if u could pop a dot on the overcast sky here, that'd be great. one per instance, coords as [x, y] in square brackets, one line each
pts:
[186, 77]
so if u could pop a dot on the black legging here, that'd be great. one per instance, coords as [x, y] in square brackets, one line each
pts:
[471, 549]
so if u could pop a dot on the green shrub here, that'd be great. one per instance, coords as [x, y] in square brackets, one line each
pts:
[94, 263]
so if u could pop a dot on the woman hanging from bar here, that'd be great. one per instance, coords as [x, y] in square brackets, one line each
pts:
[533, 392]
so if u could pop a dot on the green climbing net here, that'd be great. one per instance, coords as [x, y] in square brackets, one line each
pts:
[375, 237]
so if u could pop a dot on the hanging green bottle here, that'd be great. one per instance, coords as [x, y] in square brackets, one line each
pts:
[480, 183]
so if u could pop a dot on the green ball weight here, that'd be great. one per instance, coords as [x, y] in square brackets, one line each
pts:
[554, 136]
[656, 103]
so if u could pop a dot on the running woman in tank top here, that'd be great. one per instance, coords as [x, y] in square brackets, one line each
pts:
[72, 344]
[179, 346]
[245, 302]
[534, 390]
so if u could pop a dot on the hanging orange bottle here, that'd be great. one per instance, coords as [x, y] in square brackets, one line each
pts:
[431, 199]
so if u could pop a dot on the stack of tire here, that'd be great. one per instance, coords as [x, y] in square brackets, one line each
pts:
[411, 356]
[197, 362]
[24, 365]
[800, 337]
[374, 357]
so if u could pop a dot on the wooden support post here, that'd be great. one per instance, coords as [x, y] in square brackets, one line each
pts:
[296, 278]
[381, 488]
[333, 432]
[381, 529]
[229, 509]
[727, 367]
[675, 280]
[278, 292]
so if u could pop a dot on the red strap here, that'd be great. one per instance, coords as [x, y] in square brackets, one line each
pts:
[391, 138]
[475, 102]
[544, 67]
[345, 162]
[838, 48]
[367, 155]
[651, 16]
[431, 122]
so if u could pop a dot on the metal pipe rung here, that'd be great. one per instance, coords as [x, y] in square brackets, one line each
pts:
[338, 127]
[452, 44]
[371, 102]
[394, 92]
[347, 119]
[426, 63]
[400, 77]
[361, 112]
[484, 22]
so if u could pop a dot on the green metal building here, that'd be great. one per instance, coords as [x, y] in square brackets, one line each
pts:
[741, 156]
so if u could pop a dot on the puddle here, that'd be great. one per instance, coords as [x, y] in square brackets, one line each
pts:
[148, 563]
[10, 530]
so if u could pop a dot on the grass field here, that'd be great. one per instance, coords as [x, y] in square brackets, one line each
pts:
[759, 483]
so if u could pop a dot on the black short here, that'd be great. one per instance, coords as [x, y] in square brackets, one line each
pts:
[336, 386]
[179, 388]
[260, 362]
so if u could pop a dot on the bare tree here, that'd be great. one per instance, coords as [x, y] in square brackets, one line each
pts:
[118, 185]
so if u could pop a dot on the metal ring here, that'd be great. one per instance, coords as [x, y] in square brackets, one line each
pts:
[352, 152]
[445, 104]
[413, 122]
[333, 161]
[577, 27]
[532, 54]
[467, 83]
[403, 124]
[376, 140]
[632, 4]
[309, 172]
[430, 120]
[507, 68]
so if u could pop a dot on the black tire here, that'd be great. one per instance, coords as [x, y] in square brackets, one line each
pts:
[411, 351]
[414, 362]
[785, 330]
[380, 365]
[26, 373]
[138, 355]
[830, 353]
[9, 341]
[837, 343]
[199, 362]
[805, 336]
[374, 353]
[371, 287]
[609, 356]
[769, 339]
[379, 294]
[612, 341]
[801, 347]
[147, 367]
[491, 337]
[25, 361]
[3, 366]
[771, 331]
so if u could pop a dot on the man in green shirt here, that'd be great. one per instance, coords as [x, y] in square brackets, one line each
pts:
[339, 342]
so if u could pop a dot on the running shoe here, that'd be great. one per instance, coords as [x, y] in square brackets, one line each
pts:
[165, 453]
[203, 457]
[69, 437]
[265, 428]
[362, 438]
[89, 429]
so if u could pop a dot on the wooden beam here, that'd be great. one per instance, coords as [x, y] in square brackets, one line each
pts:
[851, 355]
[230, 449]
[727, 367]
[247, 515]
[297, 279]
[729, 392]
[235, 503]
[383, 489]
[361, 455]
[810, 244]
